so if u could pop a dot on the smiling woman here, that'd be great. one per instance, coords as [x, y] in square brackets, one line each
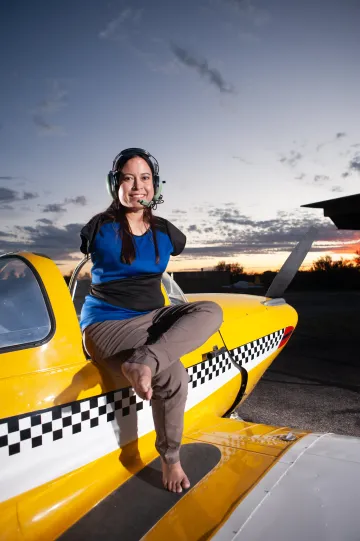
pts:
[127, 328]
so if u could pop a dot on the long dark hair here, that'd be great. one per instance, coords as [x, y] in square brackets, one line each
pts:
[128, 252]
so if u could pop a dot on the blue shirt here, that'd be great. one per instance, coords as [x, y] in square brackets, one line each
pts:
[107, 267]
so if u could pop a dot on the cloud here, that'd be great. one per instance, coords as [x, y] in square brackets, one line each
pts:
[194, 228]
[179, 211]
[8, 177]
[45, 127]
[29, 195]
[300, 177]
[79, 200]
[6, 234]
[337, 189]
[252, 14]
[346, 174]
[240, 159]
[8, 195]
[355, 163]
[51, 105]
[202, 68]
[113, 28]
[292, 159]
[45, 221]
[54, 207]
[319, 179]
[338, 135]
[56, 242]
[236, 234]
[230, 216]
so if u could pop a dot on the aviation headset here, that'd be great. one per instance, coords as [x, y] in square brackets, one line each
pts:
[113, 178]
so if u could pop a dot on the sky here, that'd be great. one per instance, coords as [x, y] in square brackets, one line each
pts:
[251, 108]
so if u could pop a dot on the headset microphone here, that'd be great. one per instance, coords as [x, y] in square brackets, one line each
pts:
[157, 197]
[145, 203]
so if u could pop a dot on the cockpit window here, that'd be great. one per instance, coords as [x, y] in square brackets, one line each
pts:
[176, 296]
[24, 317]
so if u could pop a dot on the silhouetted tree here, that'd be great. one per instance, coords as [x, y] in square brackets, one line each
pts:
[221, 266]
[233, 268]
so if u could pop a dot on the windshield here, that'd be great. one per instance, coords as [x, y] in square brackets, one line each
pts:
[24, 318]
[176, 296]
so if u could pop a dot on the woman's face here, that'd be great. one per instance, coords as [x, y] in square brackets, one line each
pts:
[136, 182]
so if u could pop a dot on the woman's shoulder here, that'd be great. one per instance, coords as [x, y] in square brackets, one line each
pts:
[89, 231]
[177, 237]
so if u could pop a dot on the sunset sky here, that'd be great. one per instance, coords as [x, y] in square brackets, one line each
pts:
[250, 106]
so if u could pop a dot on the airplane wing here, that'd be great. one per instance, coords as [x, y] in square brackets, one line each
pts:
[312, 492]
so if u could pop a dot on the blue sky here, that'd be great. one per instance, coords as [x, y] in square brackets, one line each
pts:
[251, 108]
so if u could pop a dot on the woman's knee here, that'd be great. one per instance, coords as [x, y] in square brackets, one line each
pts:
[213, 309]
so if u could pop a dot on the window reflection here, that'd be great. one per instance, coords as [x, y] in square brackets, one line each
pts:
[24, 317]
[176, 296]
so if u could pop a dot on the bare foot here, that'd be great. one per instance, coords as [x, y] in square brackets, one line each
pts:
[139, 376]
[174, 477]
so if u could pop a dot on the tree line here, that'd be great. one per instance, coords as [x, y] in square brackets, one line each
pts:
[323, 273]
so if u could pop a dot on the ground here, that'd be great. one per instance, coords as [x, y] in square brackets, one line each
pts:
[314, 384]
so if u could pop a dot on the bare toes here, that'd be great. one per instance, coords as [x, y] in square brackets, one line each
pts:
[186, 482]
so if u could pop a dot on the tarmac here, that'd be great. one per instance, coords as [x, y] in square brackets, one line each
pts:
[314, 384]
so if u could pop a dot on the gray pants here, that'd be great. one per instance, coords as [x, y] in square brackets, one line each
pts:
[158, 339]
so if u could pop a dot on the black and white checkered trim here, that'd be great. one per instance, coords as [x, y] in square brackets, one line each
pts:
[208, 369]
[25, 432]
[252, 350]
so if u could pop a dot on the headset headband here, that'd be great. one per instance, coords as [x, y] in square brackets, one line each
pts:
[126, 154]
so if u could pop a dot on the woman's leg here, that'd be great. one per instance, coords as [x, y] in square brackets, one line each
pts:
[147, 349]
[176, 330]
[170, 389]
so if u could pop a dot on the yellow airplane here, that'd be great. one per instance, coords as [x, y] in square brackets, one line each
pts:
[77, 452]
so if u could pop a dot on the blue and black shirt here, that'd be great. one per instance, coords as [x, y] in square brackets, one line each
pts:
[118, 290]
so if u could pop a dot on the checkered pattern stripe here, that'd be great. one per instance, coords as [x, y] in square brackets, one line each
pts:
[251, 351]
[209, 369]
[27, 432]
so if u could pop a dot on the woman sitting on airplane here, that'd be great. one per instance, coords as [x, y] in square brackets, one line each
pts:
[125, 324]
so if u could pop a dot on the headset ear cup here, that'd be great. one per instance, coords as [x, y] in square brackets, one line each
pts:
[158, 188]
[111, 185]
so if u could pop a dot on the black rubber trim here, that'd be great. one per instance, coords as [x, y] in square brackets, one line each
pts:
[51, 315]
[134, 508]
[244, 380]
